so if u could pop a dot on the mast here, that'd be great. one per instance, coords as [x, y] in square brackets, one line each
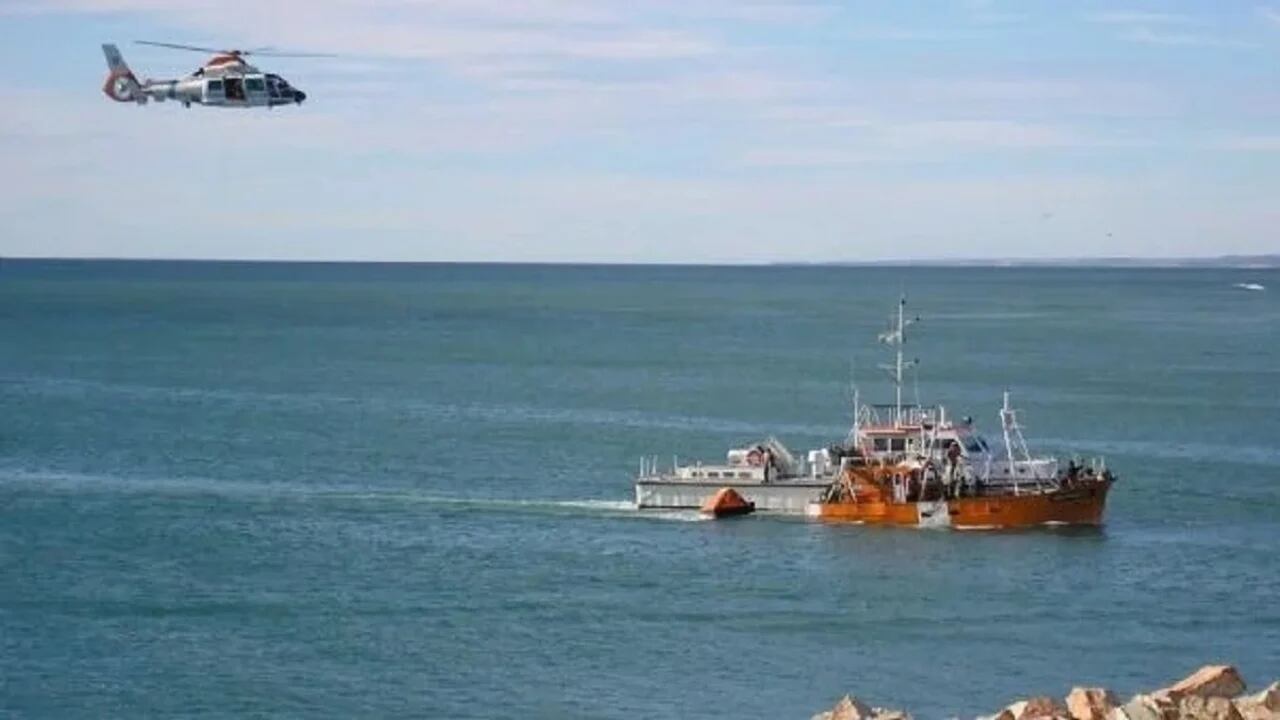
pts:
[852, 440]
[1015, 445]
[897, 377]
[897, 337]
[1006, 422]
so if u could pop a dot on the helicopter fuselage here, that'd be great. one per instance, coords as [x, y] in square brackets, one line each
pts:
[226, 89]
[225, 81]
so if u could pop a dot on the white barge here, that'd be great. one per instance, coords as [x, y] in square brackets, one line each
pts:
[766, 474]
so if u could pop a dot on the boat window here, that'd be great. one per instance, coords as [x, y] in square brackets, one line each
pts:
[881, 444]
[713, 474]
[898, 444]
[744, 474]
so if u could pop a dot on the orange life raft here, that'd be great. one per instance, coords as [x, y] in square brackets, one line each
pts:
[726, 503]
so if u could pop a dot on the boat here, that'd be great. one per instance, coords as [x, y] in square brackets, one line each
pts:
[727, 503]
[894, 466]
[951, 489]
[1253, 287]
[765, 473]
[916, 467]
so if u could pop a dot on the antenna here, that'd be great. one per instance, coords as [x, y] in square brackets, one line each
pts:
[915, 381]
[897, 337]
[852, 439]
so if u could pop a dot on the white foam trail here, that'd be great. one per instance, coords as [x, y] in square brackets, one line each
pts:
[72, 481]
[672, 515]
[611, 508]
[603, 505]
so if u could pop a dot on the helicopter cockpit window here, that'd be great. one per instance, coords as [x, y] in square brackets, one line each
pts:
[276, 86]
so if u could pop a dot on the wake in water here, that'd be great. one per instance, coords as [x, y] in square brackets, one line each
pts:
[599, 508]
[298, 492]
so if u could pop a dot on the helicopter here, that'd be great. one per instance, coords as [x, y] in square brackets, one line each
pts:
[226, 80]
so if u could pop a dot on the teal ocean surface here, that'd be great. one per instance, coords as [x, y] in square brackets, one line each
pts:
[248, 490]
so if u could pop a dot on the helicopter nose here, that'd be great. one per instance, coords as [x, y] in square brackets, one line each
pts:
[299, 96]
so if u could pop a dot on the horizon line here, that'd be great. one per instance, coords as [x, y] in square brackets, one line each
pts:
[1258, 261]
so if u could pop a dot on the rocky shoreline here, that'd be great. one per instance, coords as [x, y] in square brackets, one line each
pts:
[1214, 692]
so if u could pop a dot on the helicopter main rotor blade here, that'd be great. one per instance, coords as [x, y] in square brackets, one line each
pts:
[175, 46]
[273, 53]
[261, 52]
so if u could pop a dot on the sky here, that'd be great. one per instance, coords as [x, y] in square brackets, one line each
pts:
[716, 131]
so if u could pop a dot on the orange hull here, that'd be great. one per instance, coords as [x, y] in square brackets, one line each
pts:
[1082, 504]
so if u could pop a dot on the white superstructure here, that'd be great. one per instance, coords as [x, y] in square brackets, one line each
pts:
[765, 473]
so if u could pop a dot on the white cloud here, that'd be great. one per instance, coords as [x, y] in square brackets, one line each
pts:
[1147, 36]
[1249, 143]
[1167, 29]
[806, 157]
[665, 130]
[885, 144]
[1270, 14]
[980, 134]
[1134, 17]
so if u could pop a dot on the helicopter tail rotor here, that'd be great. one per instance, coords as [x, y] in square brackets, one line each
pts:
[121, 84]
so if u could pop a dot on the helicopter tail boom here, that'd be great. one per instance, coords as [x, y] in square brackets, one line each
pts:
[121, 84]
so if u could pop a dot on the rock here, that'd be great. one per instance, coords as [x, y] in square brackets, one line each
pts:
[1194, 707]
[1034, 709]
[851, 708]
[1090, 703]
[1210, 681]
[1257, 713]
[1155, 706]
[1269, 698]
[1264, 705]
[1042, 707]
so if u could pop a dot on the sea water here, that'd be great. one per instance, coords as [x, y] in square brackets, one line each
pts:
[232, 490]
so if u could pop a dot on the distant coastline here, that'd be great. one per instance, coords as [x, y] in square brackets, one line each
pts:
[1263, 262]
[1220, 261]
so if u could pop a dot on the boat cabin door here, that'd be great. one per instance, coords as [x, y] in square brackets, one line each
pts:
[255, 88]
[235, 90]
